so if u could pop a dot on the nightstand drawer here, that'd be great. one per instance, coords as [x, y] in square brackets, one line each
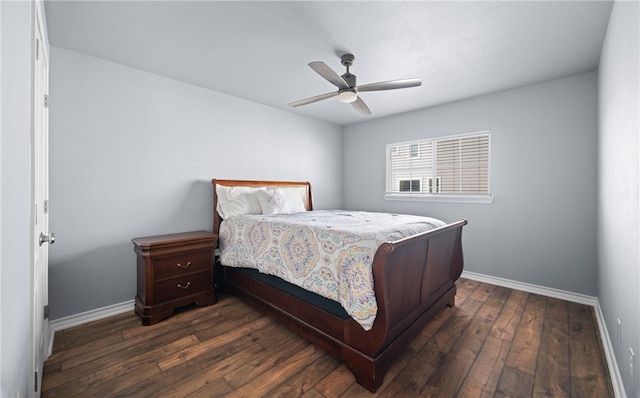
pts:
[182, 286]
[188, 263]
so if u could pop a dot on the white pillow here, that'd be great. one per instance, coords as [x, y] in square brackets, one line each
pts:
[296, 197]
[233, 201]
[273, 201]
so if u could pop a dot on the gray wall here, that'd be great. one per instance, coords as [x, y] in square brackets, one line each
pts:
[16, 377]
[132, 154]
[619, 186]
[541, 227]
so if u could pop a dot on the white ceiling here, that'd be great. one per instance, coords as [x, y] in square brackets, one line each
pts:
[260, 50]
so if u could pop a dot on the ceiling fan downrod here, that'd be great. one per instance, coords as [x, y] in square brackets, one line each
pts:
[347, 61]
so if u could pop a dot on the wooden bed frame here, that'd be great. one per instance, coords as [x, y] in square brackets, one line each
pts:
[414, 279]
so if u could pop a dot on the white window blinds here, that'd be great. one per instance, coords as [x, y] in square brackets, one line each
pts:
[446, 166]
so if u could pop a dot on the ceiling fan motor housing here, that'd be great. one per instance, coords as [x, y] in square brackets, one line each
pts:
[349, 79]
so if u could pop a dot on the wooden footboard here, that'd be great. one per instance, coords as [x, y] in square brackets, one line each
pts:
[414, 279]
[410, 275]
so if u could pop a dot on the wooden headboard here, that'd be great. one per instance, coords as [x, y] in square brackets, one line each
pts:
[255, 184]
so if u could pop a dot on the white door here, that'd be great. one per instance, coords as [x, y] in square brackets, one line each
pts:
[40, 193]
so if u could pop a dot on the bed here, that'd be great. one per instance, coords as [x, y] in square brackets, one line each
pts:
[412, 279]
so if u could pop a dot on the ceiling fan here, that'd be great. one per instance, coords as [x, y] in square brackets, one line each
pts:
[347, 89]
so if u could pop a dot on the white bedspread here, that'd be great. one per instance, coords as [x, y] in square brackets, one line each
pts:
[327, 252]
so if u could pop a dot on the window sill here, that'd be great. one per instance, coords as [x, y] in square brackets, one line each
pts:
[440, 198]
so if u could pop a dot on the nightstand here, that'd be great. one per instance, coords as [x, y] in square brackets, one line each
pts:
[174, 270]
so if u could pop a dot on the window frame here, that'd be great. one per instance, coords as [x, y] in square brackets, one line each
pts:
[437, 197]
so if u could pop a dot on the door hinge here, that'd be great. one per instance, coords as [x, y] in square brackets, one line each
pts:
[46, 311]
[37, 50]
[46, 207]
[35, 381]
[46, 100]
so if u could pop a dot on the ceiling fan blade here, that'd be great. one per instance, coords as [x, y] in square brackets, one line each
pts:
[313, 99]
[332, 77]
[390, 85]
[361, 107]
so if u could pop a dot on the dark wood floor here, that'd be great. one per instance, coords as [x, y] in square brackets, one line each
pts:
[496, 342]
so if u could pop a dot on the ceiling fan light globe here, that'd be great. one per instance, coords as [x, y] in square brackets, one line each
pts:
[347, 96]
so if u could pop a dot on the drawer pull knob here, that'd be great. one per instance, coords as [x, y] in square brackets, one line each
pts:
[185, 286]
[184, 266]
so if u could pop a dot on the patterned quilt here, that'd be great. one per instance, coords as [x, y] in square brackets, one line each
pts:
[329, 252]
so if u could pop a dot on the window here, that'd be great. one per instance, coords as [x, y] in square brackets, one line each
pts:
[414, 150]
[409, 185]
[451, 168]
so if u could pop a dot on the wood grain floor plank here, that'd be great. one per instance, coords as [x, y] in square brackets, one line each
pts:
[507, 322]
[553, 378]
[304, 381]
[514, 383]
[226, 322]
[121, 364]
[83, 349]
[218, 388]
[557, 310]
[118, 380]
[524, 349]
[441, 343]
[312, 394]
[194, 351]
[214, 369]
[587, 354]
[131, 347]
[264, 362]
[73, 337]
[265, 382]
[452, 372]
[91, 366]
[211, 366]
[272, 336]
[157, 385]
[482, 379]
[335, 382]
[494, 303]
[410, 382]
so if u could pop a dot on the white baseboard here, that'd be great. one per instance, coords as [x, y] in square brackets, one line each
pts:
[614, 371]
[86, 317]
[616, 378]
[529, 288]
